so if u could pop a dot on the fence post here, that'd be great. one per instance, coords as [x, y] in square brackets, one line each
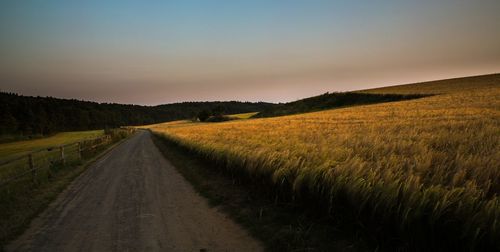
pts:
[63, 160]
[79, 150]
[31, 164]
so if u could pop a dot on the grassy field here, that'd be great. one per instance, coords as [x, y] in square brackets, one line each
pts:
[14, 149]
[24, 193]
[421, 173]
[9, 151]
[243, 115]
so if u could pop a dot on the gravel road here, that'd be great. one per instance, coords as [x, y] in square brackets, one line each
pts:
[133, 199]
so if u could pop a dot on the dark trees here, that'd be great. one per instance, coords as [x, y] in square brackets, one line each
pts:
[203, 115]
[26, 115]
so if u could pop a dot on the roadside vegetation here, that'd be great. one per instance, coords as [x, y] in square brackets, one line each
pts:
[32, 173]
[417, 174]
[281, 226]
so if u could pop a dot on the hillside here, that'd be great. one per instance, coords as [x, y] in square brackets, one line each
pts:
[379, 95]
[421, 173]
[330, 101]
[441, 86]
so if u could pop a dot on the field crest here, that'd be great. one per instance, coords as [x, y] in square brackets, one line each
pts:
[398, 160]
[441, 86]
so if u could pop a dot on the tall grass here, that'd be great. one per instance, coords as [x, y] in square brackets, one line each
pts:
[425, 172]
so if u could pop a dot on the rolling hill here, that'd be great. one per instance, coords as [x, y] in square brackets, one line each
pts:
[422, 172]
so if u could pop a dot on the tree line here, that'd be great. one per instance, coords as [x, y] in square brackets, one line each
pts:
[330, 101]
[27, 115]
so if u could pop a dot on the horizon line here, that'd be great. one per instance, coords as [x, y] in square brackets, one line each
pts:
[200, 101]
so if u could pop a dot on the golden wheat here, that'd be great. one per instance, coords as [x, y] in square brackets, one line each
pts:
[431, 158]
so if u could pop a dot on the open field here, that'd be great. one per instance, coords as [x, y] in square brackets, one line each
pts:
[45, 151]
[243, 115]
[425, 172]
[13, 149]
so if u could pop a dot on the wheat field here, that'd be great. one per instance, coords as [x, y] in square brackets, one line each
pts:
[428, 168]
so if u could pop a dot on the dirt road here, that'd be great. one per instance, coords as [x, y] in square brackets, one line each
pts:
[133, 199]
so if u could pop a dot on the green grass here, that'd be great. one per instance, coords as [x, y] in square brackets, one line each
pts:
[14, 149]
[46, 157]
[243, 115]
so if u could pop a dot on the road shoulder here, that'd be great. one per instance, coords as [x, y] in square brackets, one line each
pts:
[51, 195]
[280, 226]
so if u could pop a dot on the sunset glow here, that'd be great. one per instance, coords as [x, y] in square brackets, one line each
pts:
[170, 51]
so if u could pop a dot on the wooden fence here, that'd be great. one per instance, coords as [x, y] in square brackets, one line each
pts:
[31, 163]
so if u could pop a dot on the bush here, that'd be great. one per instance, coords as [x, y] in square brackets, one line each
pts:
[203, 115]
[219, 118]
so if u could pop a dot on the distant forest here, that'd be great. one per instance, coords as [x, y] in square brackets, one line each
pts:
[26, 115]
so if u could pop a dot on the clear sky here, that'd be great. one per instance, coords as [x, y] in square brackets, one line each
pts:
[153, 52]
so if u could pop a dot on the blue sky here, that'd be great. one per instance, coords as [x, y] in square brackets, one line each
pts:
[152, 52]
